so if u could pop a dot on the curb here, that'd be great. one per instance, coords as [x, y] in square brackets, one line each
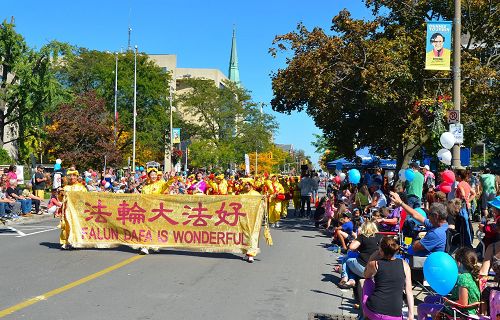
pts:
[32, 219]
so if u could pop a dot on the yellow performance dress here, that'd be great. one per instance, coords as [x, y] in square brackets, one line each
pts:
[157, 187]
[285, 203]
[294, 186]
[274, 188]
[64, 235]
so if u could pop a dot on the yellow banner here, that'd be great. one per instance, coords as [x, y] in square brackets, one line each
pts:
[191, 222]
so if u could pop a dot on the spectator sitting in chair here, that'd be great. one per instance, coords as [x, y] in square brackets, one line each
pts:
[35, 199]
[436, 227]
[344, 233]
[378, 198]
[13, 192]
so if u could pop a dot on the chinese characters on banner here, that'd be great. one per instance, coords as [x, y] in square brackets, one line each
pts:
[201, 223]
[438, 46]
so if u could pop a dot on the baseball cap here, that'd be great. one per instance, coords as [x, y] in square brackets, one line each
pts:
[347, 214]
[495, 202]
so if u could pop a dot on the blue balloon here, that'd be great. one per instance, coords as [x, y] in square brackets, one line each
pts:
[141, 168]
[422, 212]
[441, 272]
[410, 175]
[136, 168]
[354, 176]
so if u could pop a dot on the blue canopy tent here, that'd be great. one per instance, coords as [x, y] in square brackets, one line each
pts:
[366, 163]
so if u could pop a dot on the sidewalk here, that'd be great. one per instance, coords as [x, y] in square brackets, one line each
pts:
[32, 218]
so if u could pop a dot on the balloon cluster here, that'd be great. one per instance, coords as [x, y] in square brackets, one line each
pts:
[406, 175]
[447, 140]
[57, 166]
[448, 178]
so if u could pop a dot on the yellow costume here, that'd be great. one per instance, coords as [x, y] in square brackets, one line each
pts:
[294, 188]
[157, 187]
[76, 187]
[285, 203]
[274, 189]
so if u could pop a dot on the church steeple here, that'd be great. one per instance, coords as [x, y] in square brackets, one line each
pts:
[234, 72]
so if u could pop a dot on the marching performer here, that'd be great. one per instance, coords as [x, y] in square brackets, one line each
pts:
[276, 195]
[72, 186]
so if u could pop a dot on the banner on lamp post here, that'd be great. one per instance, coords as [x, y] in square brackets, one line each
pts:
[176, 135]
[247, 164]
[438, 45]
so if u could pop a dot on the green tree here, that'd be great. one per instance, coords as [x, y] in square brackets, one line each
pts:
[27, 87]
[224, 122]
[4, 157]
[364, 84]
[91, 70]
[81, 132]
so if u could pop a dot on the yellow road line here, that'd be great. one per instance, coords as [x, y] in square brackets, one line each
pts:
[45, 296]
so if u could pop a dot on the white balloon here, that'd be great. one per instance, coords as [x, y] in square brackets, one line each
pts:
[402, 175]
[447, 140]
[342, 176]
[445, 157]
[58, 161]
[441, 151]
[390, 175]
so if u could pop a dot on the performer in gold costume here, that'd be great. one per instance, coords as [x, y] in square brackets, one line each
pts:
[153, 186]
[72, 186]
[276, 195]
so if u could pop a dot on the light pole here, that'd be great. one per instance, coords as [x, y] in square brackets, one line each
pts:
[116, 94]
[167, 159]
[457, 29]
[135, 108]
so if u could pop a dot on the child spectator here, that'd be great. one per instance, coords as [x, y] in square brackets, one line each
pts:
[55, 204]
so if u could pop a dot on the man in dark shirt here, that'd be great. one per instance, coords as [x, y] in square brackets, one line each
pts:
[13, 192]
[39, 182]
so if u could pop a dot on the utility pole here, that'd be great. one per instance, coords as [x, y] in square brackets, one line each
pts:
[135, 108]
[457, 30]
[116, 95]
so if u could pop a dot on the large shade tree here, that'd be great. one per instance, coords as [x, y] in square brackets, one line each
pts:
[81, 133]
[225, 123]
[364, 84]
[27, 88]
[92, 70]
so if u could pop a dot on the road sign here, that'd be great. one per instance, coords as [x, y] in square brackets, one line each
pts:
[453, 116]
[457, 129]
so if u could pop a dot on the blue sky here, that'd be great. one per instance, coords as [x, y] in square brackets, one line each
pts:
[197, 31]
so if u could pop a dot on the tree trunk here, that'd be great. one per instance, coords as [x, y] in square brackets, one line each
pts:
[406, 152]
[2, 126]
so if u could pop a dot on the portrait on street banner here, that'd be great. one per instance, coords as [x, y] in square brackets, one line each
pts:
[438, 46]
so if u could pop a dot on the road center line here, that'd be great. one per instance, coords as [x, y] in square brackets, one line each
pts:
[45, 296]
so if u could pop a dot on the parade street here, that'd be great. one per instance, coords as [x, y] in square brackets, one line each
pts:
[290, 280]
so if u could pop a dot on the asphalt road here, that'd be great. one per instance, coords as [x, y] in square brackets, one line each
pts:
[288, 280]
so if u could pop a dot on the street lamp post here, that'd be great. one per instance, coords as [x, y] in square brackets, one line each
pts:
[457, 29]
[168, 153]
[135, 108]
[116, 94]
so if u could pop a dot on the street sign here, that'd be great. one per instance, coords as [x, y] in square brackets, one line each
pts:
[453, 116]
[457, 129]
